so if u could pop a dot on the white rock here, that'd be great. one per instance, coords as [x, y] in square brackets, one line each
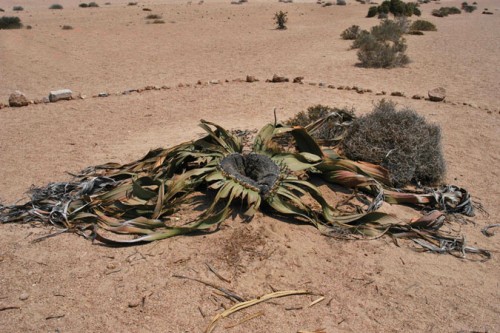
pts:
[58, 95]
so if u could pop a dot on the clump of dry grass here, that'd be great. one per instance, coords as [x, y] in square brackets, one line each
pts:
[401, 141]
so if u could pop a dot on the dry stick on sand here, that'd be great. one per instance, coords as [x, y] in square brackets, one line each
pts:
[230, 294]
[244, 305]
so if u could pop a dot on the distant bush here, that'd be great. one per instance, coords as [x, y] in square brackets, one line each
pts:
[10, 22]
[445, 11]
[93, 4]
[153, 17]
[372, 11]
[401, 141]
[383, 46]
[352, 33]
[132, 4]
[67, 27]
[422, 25]
[396, 8]
[280, 18]
[469, 8]
[29, 27]
[17, 8]
[1, 10]
[83, 5]
[56, 6]
[88, 5]
[341, 3]
[158, 22]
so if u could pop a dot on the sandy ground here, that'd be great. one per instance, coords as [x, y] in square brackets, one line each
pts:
[67, 284]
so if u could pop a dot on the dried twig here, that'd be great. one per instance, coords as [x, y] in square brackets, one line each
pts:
[244, 305]
[216, 273]
[486, 231]
[227, 292]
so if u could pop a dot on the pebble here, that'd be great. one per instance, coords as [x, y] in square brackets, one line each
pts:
[24, 296]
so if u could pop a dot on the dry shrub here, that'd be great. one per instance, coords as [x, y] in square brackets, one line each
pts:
[401, 141]
[56, 6]
[384, 46]
[422, 25]
[352, 33]
[330, 131]
[10, 22]
[153, 17]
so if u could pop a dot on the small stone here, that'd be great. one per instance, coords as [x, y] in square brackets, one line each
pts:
[312, 83]
[180, 85]
[103, 94]
[45, 100]
[417, 96]
[331, 86]
[18, 99]
[58, 95]
[36, 101]
[214, 82]
[278, 79]
[251, 78]
[437, 94]
[340, 87]
[165, 87]
[298, 79]
[24, 296]
[321, 84]
[397, 94]
[111, 265]
[149, 87]
[199, 82]
[368, 90]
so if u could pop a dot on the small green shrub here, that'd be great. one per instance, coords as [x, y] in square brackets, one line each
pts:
[10, 22]
[132, 4]
[153, 17]
[469, 8]
[56, 6]
[422, 25]
[445, 11]
[401, 141]
[17, 8]
[341, 3]
[384, 46]
[67, 27]
[83, 5]
[372, 11]
[352, 33]
[396, 8]
[93, 5]
[281, 18]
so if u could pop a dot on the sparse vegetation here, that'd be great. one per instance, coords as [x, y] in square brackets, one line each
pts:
[330, 132]
[352, 33]
[1, 10]
[10, 22]
[93, 4]
[88, 5]
[158, 22]
[468, 8]
[17, 8]
[372, 11]
[383, 46]
[83, 5]
[153, 17]
[401, 141]
[132, 4]
[396, 8]
[422, 25]
[56, 6]
[67, 27]
[281, 18]
[341, 3]
[445, 11]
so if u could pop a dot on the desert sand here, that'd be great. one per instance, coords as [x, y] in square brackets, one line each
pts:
[68, 284]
